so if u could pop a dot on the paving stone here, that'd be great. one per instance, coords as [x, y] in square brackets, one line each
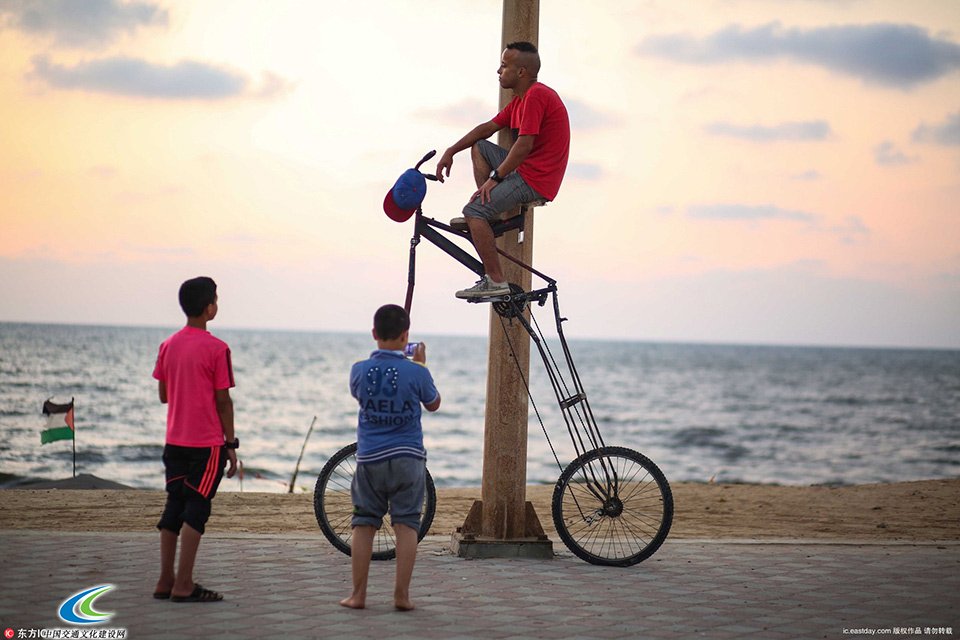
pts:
[290, 586]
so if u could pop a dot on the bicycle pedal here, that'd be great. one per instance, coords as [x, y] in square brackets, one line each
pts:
[502, 298]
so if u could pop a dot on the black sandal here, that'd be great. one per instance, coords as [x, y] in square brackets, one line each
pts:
[199, 595]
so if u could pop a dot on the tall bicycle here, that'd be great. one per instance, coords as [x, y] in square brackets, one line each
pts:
[611, 505]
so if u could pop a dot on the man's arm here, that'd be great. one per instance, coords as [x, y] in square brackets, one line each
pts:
[433, 406]
[162, 391]
[517, 154]
[225, 411]
[479, 132]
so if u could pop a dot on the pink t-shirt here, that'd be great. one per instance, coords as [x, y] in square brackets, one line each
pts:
[194, 365]
[540, 113]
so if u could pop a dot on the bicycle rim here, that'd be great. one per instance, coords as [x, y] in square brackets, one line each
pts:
[333, 506]
[612, 506]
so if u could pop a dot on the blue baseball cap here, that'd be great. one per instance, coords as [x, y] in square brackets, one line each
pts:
[406, 195]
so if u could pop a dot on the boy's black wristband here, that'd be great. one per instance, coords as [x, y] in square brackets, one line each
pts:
[232, 445]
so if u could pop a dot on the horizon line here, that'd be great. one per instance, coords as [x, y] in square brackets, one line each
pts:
[615, 339]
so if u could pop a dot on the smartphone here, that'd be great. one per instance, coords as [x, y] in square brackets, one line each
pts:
[410, 348]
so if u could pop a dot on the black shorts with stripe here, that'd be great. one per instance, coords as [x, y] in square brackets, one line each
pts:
[193, 475]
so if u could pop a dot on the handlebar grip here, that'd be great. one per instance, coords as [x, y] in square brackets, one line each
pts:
[425, 158]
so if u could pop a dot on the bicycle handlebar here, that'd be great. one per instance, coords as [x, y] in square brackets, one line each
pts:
[425, 158]
[428, 176]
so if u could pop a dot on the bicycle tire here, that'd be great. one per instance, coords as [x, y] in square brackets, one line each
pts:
[334, 508]
[629, 519]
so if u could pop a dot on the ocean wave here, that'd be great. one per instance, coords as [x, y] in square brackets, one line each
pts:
[135, 452]
[755, 414]
[873, 401]
[697, 436]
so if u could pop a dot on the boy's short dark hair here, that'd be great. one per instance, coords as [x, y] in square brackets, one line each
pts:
[197, 294]
[390, 321]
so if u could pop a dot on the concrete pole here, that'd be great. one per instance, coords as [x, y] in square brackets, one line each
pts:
[504, 511]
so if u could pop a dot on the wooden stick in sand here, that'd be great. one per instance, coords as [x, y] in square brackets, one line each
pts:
[296, 469]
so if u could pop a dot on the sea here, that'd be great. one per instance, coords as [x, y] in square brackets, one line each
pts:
[783, 415]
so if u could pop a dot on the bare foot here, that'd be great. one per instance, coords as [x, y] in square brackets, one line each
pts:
[404, 605]
[353, 602]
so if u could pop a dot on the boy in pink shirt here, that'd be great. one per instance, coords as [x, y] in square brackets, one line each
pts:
[194, 377]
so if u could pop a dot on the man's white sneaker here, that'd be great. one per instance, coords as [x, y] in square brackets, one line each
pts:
[485, 288]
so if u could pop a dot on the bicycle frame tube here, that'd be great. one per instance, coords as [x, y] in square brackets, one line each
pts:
[425, 227]
[577, 414]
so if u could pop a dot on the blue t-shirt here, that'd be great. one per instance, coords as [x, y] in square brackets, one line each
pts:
[390, 389]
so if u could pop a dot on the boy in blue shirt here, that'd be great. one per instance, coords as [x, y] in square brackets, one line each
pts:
[391, 460]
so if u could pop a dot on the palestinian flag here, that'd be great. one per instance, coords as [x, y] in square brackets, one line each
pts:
[59, 422]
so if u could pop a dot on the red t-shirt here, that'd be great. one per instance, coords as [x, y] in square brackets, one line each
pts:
[194, 365]
[540, 113]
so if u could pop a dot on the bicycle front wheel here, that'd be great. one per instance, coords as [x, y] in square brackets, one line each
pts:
[334, 508]
[612, 506]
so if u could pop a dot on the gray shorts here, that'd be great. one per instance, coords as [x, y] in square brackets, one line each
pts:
[507, 195]
[396, 485]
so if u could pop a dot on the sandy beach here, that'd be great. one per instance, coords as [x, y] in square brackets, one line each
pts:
[901, 512]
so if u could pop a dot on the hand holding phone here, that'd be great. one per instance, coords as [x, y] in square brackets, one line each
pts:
[416, 351]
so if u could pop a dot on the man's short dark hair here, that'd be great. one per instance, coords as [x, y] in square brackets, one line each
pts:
[196, 295]
[390, 321]
[524, 46]
[528, 56]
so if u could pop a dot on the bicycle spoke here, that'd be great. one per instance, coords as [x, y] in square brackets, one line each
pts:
[612, 506]
[333, 506]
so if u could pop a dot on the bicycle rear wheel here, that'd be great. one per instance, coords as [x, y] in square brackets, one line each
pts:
[334, 508]
[612, 506]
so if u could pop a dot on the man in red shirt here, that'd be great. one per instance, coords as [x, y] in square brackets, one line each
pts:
[194, 376]
[532, 169]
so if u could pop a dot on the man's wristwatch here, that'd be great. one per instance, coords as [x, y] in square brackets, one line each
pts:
[232, 445]
[495, 176]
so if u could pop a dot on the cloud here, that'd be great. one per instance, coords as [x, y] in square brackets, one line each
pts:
[886, 154]
[946, 133]
[800, 303]
[895, 55]
[138, 78]
[273, 85]
[852, 231]
[79, 23]
[748, 212]
[809, 175]
[103, 171]
[466, 113]
[793, 131]
[584, 117]
[471, 111]
[586, 171]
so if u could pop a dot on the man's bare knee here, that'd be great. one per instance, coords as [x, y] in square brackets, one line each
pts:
[481, 170]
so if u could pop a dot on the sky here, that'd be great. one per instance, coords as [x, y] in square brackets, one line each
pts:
[741, 171]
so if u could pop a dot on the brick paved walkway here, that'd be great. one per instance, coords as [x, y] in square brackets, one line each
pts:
[289, 586]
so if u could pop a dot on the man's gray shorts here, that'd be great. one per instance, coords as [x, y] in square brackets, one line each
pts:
[396, 485]
[507, 195]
